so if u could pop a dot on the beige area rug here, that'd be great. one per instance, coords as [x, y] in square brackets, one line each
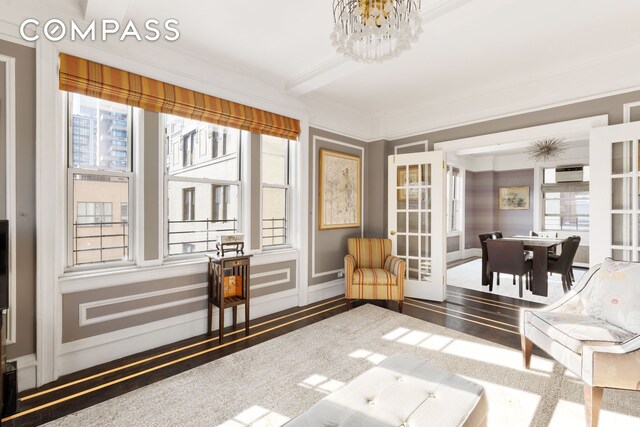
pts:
[468, 276]
[270, 383]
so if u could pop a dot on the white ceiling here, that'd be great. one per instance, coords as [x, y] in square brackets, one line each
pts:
[475, 59]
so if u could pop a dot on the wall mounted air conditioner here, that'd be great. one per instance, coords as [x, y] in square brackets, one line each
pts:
[569, 174]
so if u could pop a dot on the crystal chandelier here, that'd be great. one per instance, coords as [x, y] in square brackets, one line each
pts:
[375, 30]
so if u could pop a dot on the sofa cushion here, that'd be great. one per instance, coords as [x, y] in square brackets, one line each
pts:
[373, 276]
[615, 296]
[574, 330]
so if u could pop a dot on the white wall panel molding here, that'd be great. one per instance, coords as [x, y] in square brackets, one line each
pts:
[84, 353]
[326, 290]
[83, 308]
[285, 271]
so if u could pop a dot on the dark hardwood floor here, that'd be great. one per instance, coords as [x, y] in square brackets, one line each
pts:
[488, 316]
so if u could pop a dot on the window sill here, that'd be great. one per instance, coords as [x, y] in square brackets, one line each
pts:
[85, 280]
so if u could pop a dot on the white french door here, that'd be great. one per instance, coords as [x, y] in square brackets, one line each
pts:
[615, 193]
[417, 221]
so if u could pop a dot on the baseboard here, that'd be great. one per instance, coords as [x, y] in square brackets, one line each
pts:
[27, 371]
[472, 252]
[454, 256]
[325, 290]
[82, 354]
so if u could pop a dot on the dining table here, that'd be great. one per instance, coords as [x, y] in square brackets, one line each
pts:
[539, 246]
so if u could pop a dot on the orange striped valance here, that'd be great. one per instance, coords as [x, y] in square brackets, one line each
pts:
[101, 81]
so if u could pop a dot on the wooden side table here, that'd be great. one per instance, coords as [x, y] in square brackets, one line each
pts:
[231, 269]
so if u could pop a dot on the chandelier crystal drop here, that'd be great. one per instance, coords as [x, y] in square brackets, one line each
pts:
[375, 30]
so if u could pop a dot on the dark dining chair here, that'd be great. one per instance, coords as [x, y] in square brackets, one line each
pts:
[507, 256]
[487, 275]
[563, 264]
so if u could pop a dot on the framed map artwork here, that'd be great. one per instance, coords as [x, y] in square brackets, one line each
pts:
[338, 190]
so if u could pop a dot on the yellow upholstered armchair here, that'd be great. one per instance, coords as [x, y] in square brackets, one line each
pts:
[371, 272]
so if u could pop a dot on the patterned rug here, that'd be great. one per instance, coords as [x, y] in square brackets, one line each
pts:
[267, 384]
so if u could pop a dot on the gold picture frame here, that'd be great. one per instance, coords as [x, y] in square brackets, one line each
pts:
[339, 190]
[513, 198]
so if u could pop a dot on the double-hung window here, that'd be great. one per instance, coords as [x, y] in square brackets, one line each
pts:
[454, 198]
[275, 191]
[100, 178]
[202, 184]
[566, 204]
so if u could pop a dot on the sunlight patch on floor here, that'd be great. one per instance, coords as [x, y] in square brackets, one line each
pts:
[497, 355]
[492, 354]
[256, 416]
[375, 358]
[571, 413]
[513, 407]
[418, 338]
[321, 383]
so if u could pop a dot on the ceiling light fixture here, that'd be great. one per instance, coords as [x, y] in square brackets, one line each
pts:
[375, 30]
[546, 149]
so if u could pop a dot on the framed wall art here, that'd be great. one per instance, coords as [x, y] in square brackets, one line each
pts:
[339, 190]
[513, 198]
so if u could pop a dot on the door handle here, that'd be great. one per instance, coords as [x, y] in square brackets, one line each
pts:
[393, 233]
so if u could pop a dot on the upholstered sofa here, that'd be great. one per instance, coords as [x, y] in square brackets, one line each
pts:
[371, 272]
[594, 331]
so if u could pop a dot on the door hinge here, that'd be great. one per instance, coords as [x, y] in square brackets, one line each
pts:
[444, 166]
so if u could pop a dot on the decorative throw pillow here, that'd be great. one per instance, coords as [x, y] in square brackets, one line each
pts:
[615, 296]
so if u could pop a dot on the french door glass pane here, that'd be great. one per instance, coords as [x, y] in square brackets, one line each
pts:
[413, 222]
[401, 241]
[621, 255]
[402, 222]
[402, 199]
[426, 222]
[414, 271]
[621, 229]
[622, 193]
[413, 246]
[622, 158]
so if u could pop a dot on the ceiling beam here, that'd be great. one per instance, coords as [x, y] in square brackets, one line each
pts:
[101, 9]
[339, 66]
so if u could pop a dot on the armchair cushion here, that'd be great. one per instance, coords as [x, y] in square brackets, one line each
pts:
[615, 297]
[373, 276]
[577, 330]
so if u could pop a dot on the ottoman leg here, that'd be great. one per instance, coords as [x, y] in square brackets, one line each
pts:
[348, 301]
[400, 306]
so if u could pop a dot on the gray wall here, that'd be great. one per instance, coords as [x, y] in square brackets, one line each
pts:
[479, 206]
[331, 245]
[482, 209]
[26, 195]
[513, 222]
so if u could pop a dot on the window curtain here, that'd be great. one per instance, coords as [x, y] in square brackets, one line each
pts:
[101, 81]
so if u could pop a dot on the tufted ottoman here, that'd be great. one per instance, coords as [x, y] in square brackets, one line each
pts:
[401, 391]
